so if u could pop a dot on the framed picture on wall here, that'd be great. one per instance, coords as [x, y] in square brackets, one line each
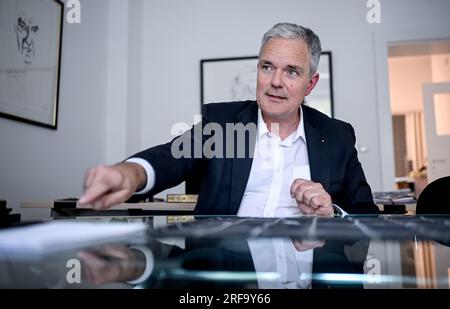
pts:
[30, 49]
[234, 79]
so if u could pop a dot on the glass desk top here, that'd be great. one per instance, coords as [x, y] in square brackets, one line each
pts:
[370, 252]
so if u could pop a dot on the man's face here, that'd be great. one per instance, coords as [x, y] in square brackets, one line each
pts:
[25, 32]
[283, 78]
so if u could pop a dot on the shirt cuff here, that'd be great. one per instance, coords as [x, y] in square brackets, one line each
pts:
[148, 265]
[340, 211]
[149, 171]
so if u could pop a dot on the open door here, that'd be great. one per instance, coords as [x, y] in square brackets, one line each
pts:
[436, 104]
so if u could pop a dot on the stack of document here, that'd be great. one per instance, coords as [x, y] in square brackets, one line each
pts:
[40, 240]
[398, 197]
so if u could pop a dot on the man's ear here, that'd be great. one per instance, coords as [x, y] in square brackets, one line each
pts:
[312, 83]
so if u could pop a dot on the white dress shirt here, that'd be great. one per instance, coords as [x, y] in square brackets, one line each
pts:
[276, 164]
[279, 265]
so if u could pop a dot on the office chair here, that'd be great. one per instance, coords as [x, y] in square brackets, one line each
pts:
[435, 198]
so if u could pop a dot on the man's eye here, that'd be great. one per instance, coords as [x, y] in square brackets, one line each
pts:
[266, 68]
[293, 73]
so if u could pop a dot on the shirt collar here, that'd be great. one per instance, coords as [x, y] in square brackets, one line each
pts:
[299, 133]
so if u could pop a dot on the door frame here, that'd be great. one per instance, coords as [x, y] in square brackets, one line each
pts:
[382, 41]
[429, 114]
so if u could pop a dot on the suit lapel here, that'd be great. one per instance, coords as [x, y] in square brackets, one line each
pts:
[318, 151]
[241, 166]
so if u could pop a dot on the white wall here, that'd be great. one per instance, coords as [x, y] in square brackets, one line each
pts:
[440, 64]
[407, 74]
[133, 66]
[124, 76]
[406, 77]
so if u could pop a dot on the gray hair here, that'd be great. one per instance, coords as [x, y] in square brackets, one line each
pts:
[293, 31]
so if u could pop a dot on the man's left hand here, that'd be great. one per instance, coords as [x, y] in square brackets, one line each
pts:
[311, 197]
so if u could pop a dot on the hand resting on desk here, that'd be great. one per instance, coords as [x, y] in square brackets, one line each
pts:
[311, 197]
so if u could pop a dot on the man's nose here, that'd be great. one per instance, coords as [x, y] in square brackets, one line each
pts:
[27, 43]
[277, 79]
[28, 40]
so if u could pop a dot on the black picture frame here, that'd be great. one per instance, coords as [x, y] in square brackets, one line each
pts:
[30, 66]
[234, 79]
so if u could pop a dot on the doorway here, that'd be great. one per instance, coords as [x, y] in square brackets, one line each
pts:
[412, 68]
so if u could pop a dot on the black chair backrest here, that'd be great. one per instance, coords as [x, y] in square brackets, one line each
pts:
[435, 198]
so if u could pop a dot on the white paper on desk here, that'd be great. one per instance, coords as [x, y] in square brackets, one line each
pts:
[37, 241]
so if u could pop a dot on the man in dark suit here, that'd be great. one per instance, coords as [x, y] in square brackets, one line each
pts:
[288, 159]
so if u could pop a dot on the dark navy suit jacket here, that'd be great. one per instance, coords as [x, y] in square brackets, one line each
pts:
[332, 157]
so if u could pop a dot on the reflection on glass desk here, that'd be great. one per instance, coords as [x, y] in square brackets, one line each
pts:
[268, 253]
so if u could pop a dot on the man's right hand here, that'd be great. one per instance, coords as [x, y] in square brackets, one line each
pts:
[112, 263]
[105, 186]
